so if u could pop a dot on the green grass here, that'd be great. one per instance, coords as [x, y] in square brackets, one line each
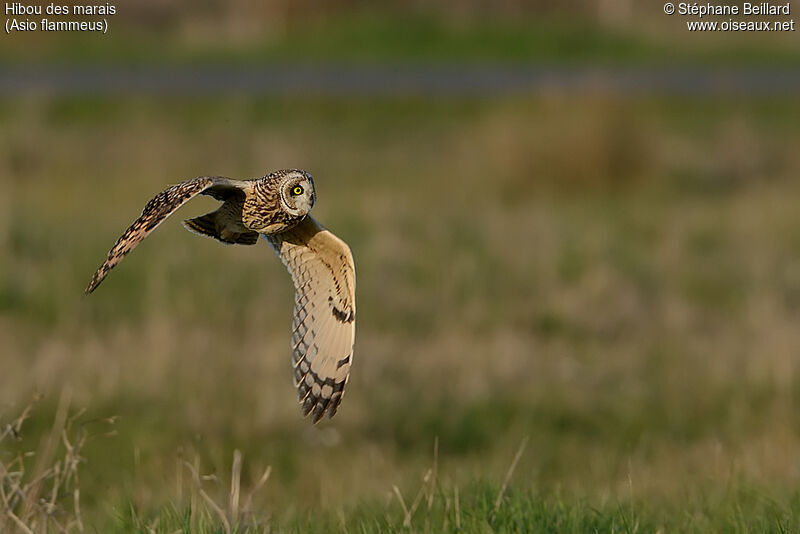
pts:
[615, 279]
[743, 510]
[209, 503]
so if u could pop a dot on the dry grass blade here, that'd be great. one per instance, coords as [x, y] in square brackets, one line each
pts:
[426, 480]
[76, 500]
[231, 518]
[236, 477]
[261, 481]
[435, 470]
[509, 474]
[45, 457]
[426, 490]
[57, 476]
[22, 526]
[193, 508]
[406, 515]
[214, 506]
[10, 488]
[446, 514]
[35, 500]
[14, 427]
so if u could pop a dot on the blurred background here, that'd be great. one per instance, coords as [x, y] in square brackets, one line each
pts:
[573, 221]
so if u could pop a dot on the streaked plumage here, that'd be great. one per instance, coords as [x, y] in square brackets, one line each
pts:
[320, 264]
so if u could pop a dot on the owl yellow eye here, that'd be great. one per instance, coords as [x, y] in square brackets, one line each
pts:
[297, 190]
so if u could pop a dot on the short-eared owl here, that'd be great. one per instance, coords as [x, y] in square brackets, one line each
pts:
[321, 265]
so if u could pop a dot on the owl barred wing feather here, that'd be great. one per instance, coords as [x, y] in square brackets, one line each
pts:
[159, 208]
[323, 327]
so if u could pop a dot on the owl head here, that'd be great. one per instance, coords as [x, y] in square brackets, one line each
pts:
[296, 189]
[280, 200]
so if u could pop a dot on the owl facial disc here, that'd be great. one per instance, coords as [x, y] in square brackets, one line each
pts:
[297, 193]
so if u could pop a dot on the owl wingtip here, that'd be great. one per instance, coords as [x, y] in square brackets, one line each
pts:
[94, 282]
[88, 291]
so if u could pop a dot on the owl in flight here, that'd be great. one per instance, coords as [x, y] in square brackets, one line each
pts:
[321, 265]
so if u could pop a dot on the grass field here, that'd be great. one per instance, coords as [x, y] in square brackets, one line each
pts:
[616, 281]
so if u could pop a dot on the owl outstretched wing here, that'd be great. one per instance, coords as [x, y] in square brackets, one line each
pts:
[159, 208]
[323, 327]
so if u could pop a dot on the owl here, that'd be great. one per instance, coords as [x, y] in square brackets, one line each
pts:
[276, 207]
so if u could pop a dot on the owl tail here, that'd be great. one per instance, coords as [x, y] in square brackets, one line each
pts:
[207, 226]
